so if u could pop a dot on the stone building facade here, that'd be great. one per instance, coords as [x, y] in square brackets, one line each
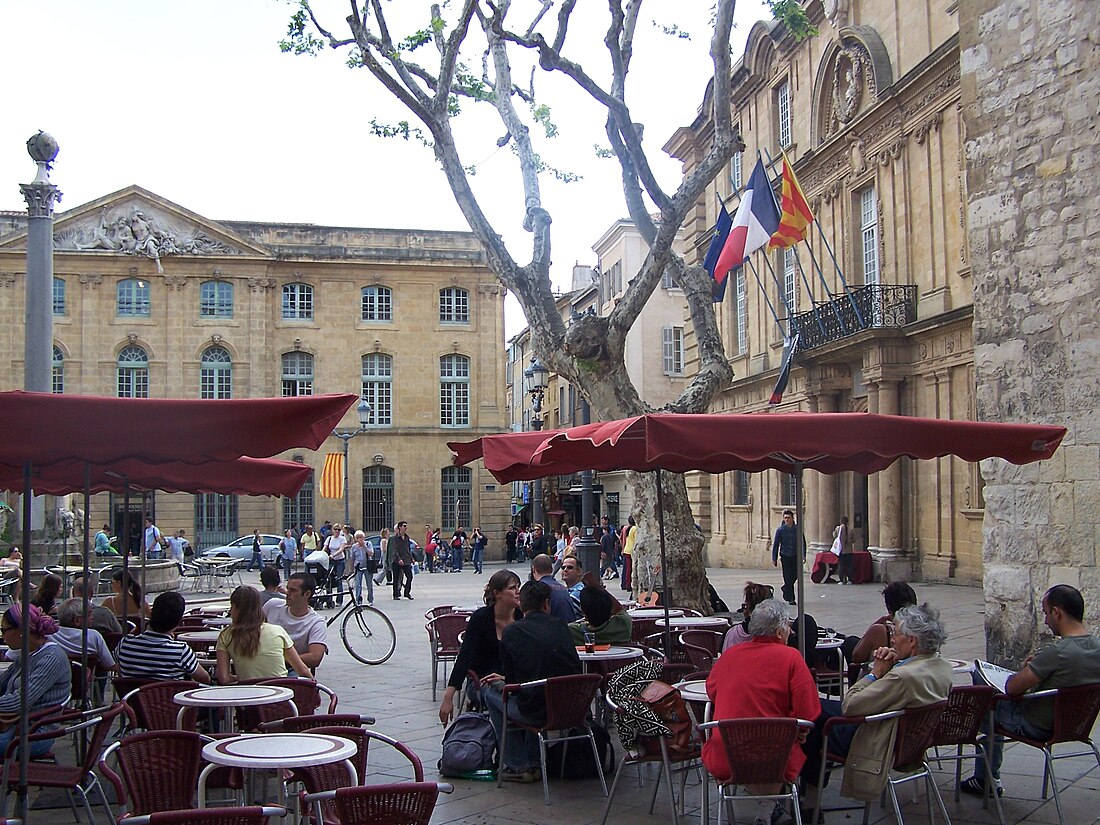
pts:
[1031, 100]
[153, 300]
[868, 112]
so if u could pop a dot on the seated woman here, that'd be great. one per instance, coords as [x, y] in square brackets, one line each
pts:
[754, 595]
[127, 598]
[604, 617]
[45, 598]
[480, 651]
[258, 649]
[48, 671]
[908, 674]
[12, 564]
[896, 595]
[761, 678]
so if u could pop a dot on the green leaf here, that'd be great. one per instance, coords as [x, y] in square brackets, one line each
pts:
[792, 14]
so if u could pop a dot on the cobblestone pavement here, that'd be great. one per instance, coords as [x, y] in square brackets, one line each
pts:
[399, 694]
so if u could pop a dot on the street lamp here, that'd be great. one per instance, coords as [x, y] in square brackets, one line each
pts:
[363, 410]
[538, 379]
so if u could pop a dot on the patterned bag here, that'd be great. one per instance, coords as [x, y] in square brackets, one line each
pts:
[637, 718]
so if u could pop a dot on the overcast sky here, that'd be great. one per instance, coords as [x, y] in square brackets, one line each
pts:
[195, 102]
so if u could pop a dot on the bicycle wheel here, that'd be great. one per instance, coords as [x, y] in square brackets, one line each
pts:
[368, 635]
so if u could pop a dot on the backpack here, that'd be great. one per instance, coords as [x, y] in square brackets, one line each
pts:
[469, 745]
[581, 764]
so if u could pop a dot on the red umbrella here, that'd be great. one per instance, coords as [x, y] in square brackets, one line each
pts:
[827, 442]
[240, 476]
[43, 428]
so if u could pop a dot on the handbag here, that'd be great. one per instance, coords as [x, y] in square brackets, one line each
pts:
[836, 548]
[667, 703]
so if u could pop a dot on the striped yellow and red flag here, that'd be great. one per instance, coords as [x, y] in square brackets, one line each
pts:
[332, 476]
[796, 217]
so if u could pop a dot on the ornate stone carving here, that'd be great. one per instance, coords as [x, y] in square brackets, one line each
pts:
[378, 458]
[216, 339]
[852, 75]
[40, 198]
[488, 289]
[175, 282]
[132, 337]
[261, 284]
[140, 231]
[90, 281]
[837, 12]
[858, 154]
[7, 279]
[414, 241]
[932, 124]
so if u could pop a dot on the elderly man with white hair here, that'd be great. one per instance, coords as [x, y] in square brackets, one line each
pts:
[908, 674]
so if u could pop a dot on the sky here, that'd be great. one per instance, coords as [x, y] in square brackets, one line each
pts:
[195, 102]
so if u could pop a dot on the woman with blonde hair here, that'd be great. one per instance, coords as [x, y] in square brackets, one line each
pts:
[257, 649]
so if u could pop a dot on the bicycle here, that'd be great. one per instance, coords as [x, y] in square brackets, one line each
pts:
[367, 628]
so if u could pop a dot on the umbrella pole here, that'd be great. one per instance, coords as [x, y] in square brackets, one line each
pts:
[125, 553]
[85, 601]
[25, 648]
[664, 567]
[799, 542]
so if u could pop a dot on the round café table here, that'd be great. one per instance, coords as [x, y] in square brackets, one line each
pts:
[215, 609]
[654, 612]
[215, 622]
[232, 696]
[695, 623]
[614, 653]
[277, 751]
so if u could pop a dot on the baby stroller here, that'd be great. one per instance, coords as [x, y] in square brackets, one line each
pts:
[317, 565]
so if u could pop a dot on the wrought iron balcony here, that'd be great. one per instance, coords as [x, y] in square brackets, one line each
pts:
[875, 306]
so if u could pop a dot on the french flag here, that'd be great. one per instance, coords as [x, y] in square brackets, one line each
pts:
[757, 219]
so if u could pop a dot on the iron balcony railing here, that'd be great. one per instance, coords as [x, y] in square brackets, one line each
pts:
[875, 306]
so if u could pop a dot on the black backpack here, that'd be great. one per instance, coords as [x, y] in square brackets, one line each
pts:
[580, 763]
[469, 745]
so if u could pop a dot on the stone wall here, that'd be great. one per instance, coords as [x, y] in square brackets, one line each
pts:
[1030, 92]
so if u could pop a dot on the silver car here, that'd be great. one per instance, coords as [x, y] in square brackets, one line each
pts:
[242, 548]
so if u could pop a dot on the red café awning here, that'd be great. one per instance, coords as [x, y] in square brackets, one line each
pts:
[44, 428]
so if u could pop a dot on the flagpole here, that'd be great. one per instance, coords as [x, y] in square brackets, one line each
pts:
[764, 292]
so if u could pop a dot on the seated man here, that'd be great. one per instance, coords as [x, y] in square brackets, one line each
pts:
[70, 635]
[1073, 659]
[542, 570]
[304, 624]
[99, 617]
[154, 654]
[273, 589]
[909, 674]
[762, 677]
[572, 572]
[604, 617]
[538, 646]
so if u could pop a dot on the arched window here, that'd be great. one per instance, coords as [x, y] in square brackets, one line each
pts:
[216, 373]
[298, 302]
[377, 499]
[455, 496]
[133, 298]
[59, 296]
[378, 387]
[57, 383]
[454, 391]
[377, 303]
[297, 373]
[215, 299]
[133, 373]
[454, 306]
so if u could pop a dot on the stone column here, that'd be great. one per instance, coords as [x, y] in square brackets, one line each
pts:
[889, 494]
[872, 526]
[40, 195]
[825, 516]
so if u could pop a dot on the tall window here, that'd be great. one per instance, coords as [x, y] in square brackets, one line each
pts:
[377, 303]
[456, 497]
[740, 488]
[133, 298]
[216, 373]
[742, 312]
[133, 373]
[788, 489]
[297, 374]
[667, 281]
[783, 109]
[736, 174]
[297, 302]
[59, 296]
[378, 387]
[377, 499]
[57, 376]
[616, 277]
[868, 234]
[454, 306]
[215, 299]
[790, 282]
[298, 510]
[454, 391]
[672, 344]
[216, 519]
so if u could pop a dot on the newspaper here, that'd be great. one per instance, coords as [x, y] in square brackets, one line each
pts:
[993, 675]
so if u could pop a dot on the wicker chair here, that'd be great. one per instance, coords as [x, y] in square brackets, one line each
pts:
[709, 640]
[443, 632]
[404, 803]
[298, 724]
[157, 771]
[757, 751]
[567, 699]
[307, 699]
[959, 726]
[154, 709]
[439, 610]
[254, 815]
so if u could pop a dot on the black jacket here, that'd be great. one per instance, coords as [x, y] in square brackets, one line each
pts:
[538, 646]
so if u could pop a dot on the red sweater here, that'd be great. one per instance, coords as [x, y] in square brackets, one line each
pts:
[760, 678]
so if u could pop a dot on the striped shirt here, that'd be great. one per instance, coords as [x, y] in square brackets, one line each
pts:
[49, 681]
[153, 655]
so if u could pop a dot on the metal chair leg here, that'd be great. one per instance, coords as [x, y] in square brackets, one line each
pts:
[614, 785]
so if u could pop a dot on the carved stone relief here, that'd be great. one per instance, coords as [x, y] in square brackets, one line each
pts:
[6, 279]
[261, 284]
[175, 282]
[90, 281]
[852, 79]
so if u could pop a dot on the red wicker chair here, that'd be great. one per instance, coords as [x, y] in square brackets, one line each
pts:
[699, 658]
[157, 771]
[757, 751]
[439, 610]
[1075, 711]
[959, 726]
[297, 724]
[404, 803]
[154, 709]
[443, 632]
[307, 699]
[568, 699]
[709, 640]
[254, 815]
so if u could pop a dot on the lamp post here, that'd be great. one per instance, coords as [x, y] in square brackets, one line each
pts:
[538, 379]
[363, 410]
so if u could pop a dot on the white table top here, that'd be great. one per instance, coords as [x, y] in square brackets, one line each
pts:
[216, 609]
[693, 691]
[829, 642]
[613, 652]
[278, 750]
[654, 612]
[215, 621]
[961, 665]
[198, 635]
[233, 695]
[714, 622]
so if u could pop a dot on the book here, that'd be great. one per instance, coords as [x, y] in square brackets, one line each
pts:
[993, 675]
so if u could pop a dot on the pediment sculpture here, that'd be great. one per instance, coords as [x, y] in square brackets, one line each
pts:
[137, 230]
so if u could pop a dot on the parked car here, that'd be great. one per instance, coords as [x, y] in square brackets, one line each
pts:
[242, 548]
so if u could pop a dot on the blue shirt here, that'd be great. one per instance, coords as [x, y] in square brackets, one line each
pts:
[290, 547]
